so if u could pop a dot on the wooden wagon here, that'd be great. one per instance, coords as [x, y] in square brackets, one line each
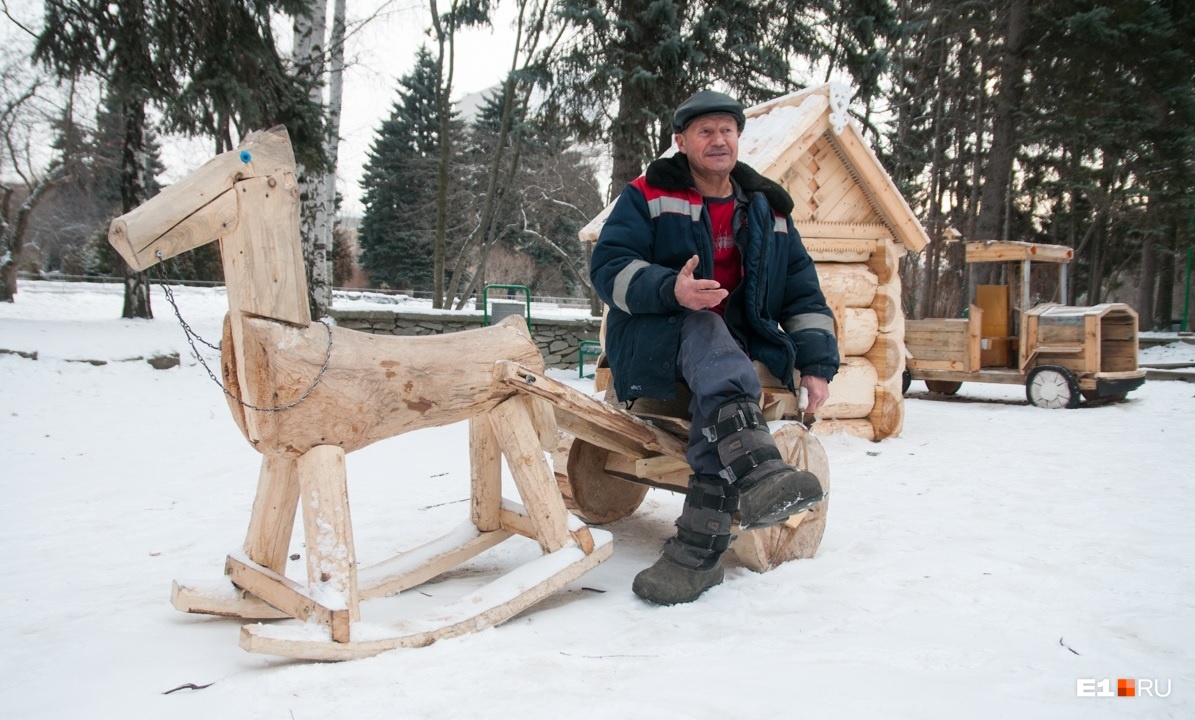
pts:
[1060, 353]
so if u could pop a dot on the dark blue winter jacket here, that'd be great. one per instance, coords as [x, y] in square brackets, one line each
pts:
[778, 312]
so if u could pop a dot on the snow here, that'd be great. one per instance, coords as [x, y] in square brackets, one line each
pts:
[1174, 352]
[978, 566]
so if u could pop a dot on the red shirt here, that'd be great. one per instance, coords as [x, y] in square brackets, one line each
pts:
[728, 262]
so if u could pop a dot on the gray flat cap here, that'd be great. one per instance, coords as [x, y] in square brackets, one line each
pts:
[707, 102]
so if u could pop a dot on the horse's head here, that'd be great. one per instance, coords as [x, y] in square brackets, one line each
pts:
[203, 206]
[248, 199]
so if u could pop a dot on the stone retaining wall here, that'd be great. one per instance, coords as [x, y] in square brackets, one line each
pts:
[558, 338]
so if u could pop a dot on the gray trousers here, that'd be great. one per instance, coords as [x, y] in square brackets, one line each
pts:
[716, 370]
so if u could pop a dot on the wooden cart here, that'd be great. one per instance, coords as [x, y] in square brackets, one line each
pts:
[1060, 353]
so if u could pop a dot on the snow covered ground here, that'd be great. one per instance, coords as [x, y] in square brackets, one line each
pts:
[979, 566]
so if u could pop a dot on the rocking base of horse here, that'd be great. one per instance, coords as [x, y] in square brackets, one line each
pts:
[327, 606]
[490, 605]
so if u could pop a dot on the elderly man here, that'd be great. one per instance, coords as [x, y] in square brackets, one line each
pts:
[703, 271]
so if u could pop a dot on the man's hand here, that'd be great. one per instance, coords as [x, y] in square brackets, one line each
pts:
[697, 294]
[818, 389]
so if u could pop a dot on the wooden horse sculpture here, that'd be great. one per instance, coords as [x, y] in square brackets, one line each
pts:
[304, 395]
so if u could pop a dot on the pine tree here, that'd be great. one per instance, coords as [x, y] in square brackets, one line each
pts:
[641, 58]
[398, 226]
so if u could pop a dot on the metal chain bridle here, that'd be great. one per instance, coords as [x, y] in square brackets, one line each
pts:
[192, 336]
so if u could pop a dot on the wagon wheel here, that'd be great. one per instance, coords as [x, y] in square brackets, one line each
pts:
[1052, 387]
[589, 491]
[800, 536]
[946, 387]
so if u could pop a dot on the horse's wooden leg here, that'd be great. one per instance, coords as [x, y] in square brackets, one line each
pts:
[273, 518]
[513, 423]
[331, 558]
[485, 473]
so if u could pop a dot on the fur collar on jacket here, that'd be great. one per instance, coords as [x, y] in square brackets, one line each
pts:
[672, 173]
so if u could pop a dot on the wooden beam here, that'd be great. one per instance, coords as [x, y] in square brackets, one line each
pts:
[844, 250]
[589, 419]
[485, 474]
[1015, 251]
[515, 429]
[221, 598]
[263, 264]
[272, 520]
[819, 230]
[974, 338]
[287, 595]
[328, 528]
[430, 560]
[490, 605]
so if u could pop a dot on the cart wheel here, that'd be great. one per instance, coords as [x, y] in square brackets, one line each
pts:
[906, 379]
[590, 492]
[800, 536]
[1052, 387]
[946, 387]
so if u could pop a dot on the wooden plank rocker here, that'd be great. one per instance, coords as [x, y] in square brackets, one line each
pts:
[304, 395]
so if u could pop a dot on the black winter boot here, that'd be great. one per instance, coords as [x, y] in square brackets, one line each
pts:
[770, 490]
[691, 562]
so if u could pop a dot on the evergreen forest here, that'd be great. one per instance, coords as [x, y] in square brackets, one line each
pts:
[1069, 122]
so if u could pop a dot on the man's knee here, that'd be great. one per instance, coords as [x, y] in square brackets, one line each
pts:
[706, 328]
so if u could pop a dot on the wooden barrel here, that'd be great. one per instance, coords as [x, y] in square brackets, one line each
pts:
[799, 537]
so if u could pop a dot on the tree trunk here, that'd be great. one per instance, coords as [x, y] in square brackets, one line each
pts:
[12, 228]
[1004, 131]
[315, 226]
[8, 280]
[321, 275]
[133, 186]
[1164, 309]
[1149, 283]
[937, 171]
[626, 138]
[1095, 266]
[444, 71]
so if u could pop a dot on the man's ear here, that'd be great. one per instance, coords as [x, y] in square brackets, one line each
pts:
[680, 142]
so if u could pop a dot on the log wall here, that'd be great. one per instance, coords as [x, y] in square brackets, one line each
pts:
[861, 280]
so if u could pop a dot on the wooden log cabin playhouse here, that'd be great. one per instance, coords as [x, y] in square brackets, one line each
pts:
[856, 226]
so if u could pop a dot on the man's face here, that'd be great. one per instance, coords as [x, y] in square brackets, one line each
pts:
[712, 144]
